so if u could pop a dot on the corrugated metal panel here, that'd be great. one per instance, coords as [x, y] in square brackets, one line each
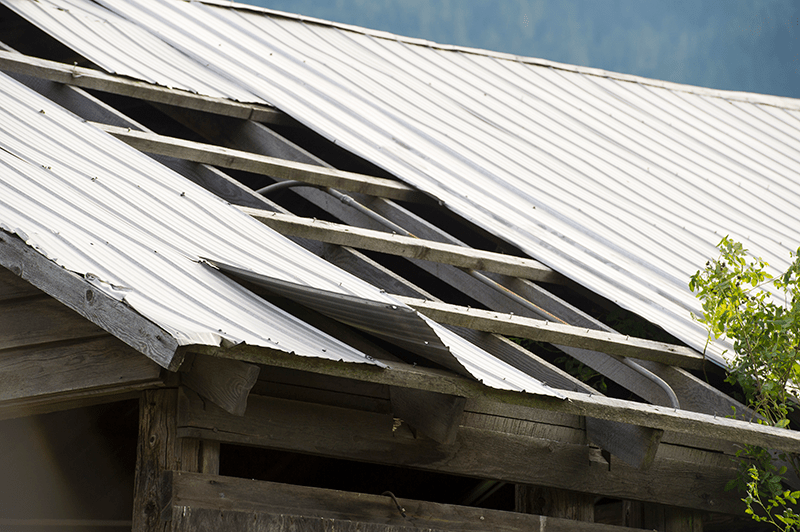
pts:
[623, 184]
[138, 231]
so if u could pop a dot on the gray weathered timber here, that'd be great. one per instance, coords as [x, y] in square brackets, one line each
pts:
[27, 373]
[435, 415]
[261, 164]
[13, 287]
[405, 246]
[272, 506]
[79, 295]
[554, 502]
[600, 407]
[557, 333]
[257, 138]
[41, 320]
[224, 382]
[329, 431]
[93, 79]
[254, 137]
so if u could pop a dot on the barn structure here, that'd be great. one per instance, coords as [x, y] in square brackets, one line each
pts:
[265, 272]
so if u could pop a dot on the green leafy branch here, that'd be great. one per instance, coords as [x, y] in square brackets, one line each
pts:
[742, 302]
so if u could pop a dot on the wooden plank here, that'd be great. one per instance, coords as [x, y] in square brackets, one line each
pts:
[364, 436]
[79, 295]
[553, 502]
[556, 333]
[203, 502]
[259, 139]
[27, 373]
[405, 246]
[596, 406]
[261, 164]
[224, 382]
[435, 415]
[96, 80]
[13, 287]
[41, 320]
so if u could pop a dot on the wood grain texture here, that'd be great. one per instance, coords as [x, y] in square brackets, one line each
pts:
[226, 383]
[405, 246]
[13, 287]
[202, 502]
[364, 436]
[435, 415]
[557, 333]
[93, 79]
[629, 412]
[41, 320]
[552, 502]
[99, 363]
[261, 164]
[81, 296]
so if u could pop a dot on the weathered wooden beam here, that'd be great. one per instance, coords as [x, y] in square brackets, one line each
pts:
[226, 383]
[629, 412]
[329, 431]
[225, 503]
[557, 333]
[32, 378]
[621, 439]
[553, 502]
[435, 415]
[405, 246]
[96, 80]
[261, 164]
[42, 320]
[81, 296]
[13, 287]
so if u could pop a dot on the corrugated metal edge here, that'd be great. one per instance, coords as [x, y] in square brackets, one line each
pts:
[749, 97]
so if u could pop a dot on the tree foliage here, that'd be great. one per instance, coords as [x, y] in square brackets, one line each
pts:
[760, 314]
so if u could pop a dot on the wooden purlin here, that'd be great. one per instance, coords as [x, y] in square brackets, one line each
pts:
[405, 246]
[88, 78]
[265, 165]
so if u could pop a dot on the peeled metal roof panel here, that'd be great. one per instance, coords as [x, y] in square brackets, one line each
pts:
[137, 231]
[623, 184]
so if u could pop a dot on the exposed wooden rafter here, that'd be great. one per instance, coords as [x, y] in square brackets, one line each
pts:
[88, 78]
[405, 246]
[557, 333]
[261, 164]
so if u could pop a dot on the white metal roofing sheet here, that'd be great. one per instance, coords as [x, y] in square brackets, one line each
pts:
[621, 183]
[138, 231]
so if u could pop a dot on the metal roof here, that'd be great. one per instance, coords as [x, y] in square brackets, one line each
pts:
[138, 231]
[623, 184]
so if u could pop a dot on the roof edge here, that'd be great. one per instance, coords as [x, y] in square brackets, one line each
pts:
[783, 102]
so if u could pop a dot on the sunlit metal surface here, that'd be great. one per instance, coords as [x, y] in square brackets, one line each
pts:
[139, 231]
[621, 183]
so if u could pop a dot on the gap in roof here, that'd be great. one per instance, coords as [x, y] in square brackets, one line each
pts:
[733, 45]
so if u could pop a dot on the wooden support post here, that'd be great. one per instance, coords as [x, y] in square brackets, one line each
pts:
[553, 502]
[160, 450]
